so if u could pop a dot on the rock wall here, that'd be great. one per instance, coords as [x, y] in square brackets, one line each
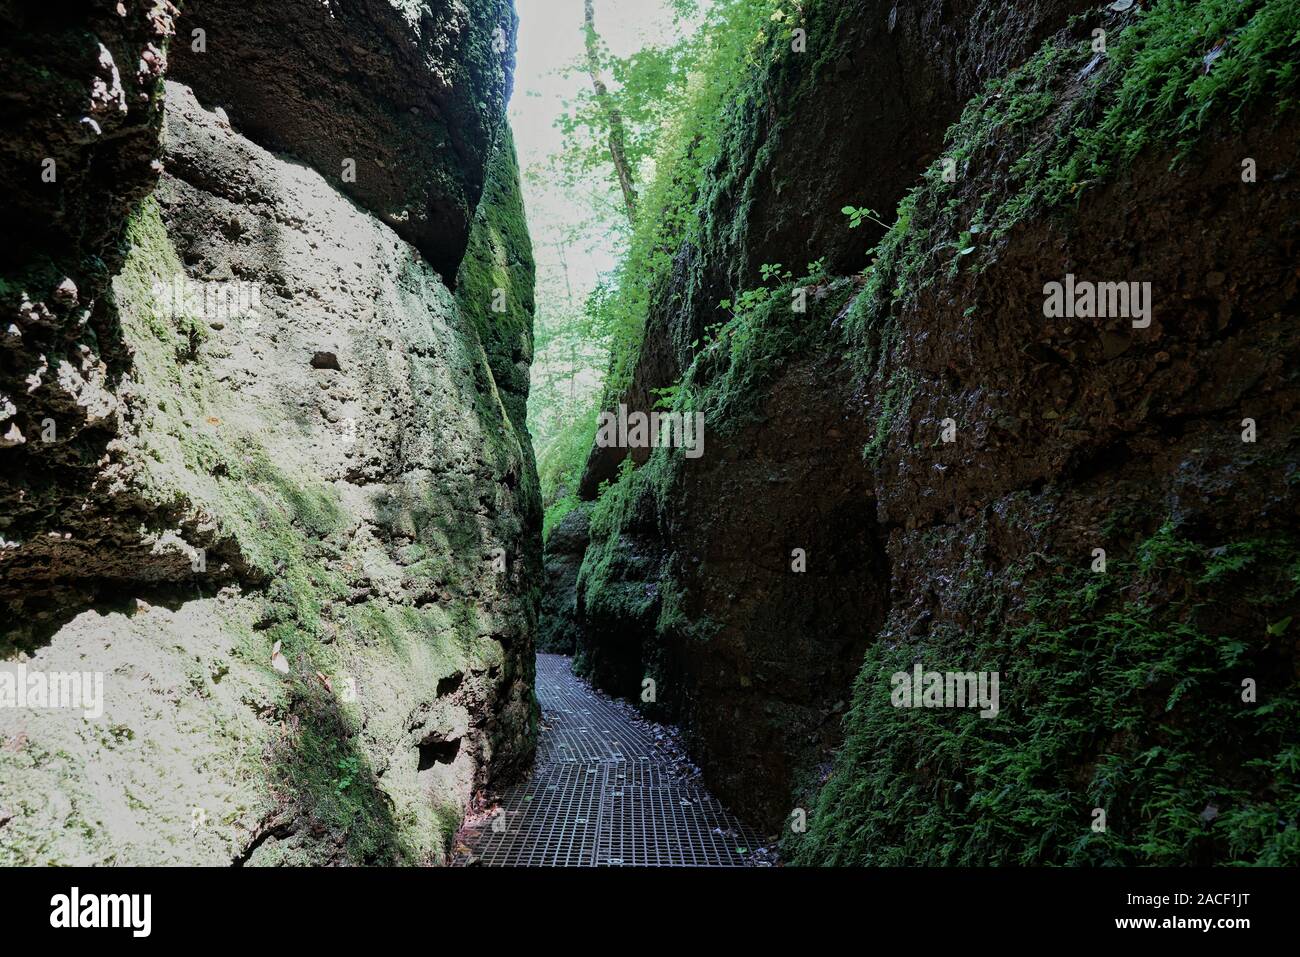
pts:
[82, 120]
[302, 552]
[854, 120]
[565, 547]
[808, 141]
[411, 93]
[1121, 690]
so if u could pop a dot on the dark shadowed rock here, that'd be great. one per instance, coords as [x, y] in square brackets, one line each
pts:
[558, 628]
[81, 111]
[396, 103]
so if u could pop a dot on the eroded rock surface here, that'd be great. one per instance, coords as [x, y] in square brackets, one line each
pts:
[311, 594]
[411, 93]
[82, 113]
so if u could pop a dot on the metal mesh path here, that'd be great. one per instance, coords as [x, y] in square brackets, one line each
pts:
[604, 793]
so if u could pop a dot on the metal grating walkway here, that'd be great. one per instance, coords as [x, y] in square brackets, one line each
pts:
[604, 792]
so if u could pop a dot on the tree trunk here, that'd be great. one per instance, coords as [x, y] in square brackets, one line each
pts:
[617, 140]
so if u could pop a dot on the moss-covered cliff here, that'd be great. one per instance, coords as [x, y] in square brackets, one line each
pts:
[946, 458]
[304, 559]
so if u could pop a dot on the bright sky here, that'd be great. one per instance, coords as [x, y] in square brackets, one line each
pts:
[550, 39]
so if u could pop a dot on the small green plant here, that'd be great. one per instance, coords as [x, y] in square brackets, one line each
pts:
[349, 768]
[1115, 684]
[666, 397]
[860, 214]
[817, 270]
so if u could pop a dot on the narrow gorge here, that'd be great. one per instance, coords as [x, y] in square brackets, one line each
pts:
[313, 312]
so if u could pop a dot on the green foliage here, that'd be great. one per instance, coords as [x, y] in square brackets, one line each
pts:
[1070, 120]
[556, 511]
[746, 352]
[1154, 87]
[1114, 690]
[896, 401]
[860, 214]
[676, 102]
[348, 768]
[647, 87]
[563, 458]
[610, 593]
[499, 256]
[332, 784]
[718, 60]
[1114, 687]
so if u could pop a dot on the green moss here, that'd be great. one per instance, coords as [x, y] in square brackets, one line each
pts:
[1071, 119]
[561, 463]
[150, 269]
[610, 593]
[1066, 122]
[632, 603]
[674, 619]
[894, 404]
[744, 355]
[555, 513]
[630, 503]
[448, 818]
[494, 285]
[330, 782]
[1114, 689]
[288, 535]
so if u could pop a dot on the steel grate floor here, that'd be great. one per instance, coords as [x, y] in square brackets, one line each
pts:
[604, 793]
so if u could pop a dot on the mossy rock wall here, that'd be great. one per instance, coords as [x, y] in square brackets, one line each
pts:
[566, 545]
[853, 119]
[316, 641]
[1121, 690]
[1149, 702]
